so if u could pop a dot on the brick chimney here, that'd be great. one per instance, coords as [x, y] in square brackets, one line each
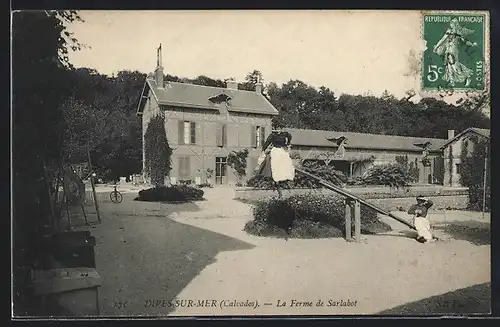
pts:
[159, 69]
[451, 134]
[233, 85]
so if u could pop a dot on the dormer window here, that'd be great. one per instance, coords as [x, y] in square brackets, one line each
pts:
[425, 147]
[219, 98]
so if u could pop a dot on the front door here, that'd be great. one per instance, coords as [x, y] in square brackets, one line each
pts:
[220, 170]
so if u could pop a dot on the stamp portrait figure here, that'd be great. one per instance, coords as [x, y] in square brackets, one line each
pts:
[455, 56]
[449, 48]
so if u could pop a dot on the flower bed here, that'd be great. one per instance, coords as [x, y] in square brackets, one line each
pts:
[313, 216]
[173, 194]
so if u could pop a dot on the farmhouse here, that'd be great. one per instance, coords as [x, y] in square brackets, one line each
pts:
[205, 124]
[452, 150]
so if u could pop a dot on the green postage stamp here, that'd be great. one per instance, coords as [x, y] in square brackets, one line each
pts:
[454, 56]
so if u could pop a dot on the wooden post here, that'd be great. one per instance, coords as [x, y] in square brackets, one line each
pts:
[84, 215]
[60, 174]
[67, 211]
[93, 187]
[357, 221]
[350, 169]
[348, 215]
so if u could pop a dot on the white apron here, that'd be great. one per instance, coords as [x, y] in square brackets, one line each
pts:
[281, 165]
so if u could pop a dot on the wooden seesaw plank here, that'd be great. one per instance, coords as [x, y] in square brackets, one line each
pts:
[351, 196]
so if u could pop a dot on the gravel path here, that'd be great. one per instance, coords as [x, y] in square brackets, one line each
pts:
[151, 254]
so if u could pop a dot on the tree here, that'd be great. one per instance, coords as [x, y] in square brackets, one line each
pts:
[102, 115]
[251, 80]
[40, 65]
[237, 160]
[472, 171]
[85, 130]
[207, 81]
[157, 151]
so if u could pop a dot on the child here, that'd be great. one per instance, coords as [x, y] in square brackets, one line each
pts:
[422, 224]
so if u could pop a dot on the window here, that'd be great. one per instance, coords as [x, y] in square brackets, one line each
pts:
[221, 135]
[220, 170]
[260, 135]
[187, 132]
[458, 168]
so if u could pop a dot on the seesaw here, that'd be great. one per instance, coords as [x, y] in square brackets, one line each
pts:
[353, 202]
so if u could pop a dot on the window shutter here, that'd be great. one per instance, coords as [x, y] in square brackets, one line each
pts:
[218, 135]
[188, 167]
[224, 135]
[253, 137]
[262, 135]
[193, 132]
[181, 132]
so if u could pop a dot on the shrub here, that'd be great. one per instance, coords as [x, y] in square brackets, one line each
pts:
[438, 168]
[237, 160]
[393, 175]
[311, 216]
[157, 151]
[176, 193]
[476, 198]
[323, 171]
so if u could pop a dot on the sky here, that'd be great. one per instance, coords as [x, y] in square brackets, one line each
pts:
[354, 52]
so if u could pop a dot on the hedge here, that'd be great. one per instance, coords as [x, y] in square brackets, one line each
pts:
[176, 193]
[392, 175]
[323, 171]
[310, 216]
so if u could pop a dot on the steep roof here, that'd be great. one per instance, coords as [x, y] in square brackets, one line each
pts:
[484, 132]
[480, 131]
[319, 138]
[197, 96]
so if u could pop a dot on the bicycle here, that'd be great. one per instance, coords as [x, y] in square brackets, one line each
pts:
[115, 196]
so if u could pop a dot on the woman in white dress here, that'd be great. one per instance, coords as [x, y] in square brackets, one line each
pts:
[275, 161]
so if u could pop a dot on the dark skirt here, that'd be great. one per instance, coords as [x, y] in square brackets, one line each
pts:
[265, 167]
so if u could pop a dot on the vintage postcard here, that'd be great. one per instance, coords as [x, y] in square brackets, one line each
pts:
[250, 163]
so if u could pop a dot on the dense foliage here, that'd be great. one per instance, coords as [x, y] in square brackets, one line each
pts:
[472, 165]
[326, 172]
[392, 175]
[174, 193]
[311, 216]
[157, 151]
[40, 78]
[303, 106]
[101, 117]
[237, 160]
